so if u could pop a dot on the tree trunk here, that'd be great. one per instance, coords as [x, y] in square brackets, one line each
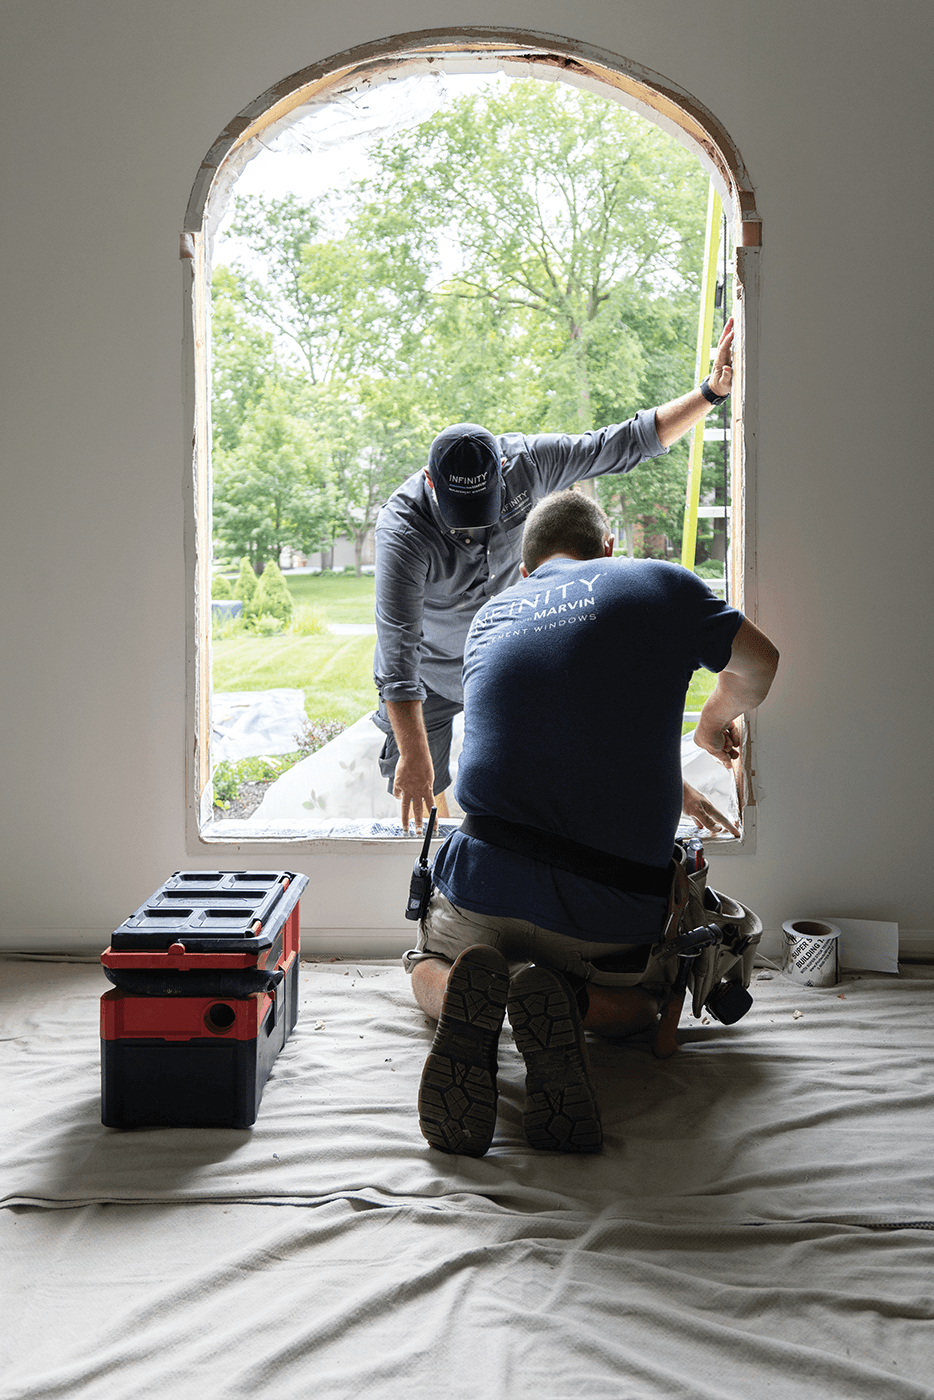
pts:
[584, 409]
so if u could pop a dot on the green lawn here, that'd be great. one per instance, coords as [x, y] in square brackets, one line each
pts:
[336, 673]
[342, 597]
[702, 683]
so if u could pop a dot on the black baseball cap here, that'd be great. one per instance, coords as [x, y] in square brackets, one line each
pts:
[465, 469]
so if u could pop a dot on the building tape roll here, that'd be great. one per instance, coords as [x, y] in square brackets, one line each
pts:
[812, 952]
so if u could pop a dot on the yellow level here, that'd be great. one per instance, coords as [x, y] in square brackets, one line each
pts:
[701, 368]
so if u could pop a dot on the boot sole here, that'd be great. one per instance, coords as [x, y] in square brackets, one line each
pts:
[457, 1095]
[561, 1112]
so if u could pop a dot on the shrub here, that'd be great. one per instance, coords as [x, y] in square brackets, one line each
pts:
[265, 770]
[308, 620]
[315, 733]
[272, 595]
[228, 776]
[220, 587]
[710, 568]
[265, 624]
[226, 784]
[225, 627]
[246, 586]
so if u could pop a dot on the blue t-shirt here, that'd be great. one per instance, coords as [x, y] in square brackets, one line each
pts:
[574, 686]
[430, 580]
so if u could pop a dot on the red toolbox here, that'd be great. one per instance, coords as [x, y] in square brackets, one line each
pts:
[205, 996]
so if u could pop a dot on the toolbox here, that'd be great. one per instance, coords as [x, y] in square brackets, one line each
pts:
[205, 995]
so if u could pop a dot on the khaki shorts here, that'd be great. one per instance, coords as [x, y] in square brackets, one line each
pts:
[447, 930]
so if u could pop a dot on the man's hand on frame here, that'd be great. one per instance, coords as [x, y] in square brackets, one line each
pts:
[720, 378]
[413, 786]
[704, 814]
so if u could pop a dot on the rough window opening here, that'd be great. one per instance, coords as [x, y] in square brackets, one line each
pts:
[331, 98]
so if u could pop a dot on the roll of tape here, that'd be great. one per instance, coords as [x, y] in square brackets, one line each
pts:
[812, 952]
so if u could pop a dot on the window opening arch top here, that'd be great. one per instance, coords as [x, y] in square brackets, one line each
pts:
[294, 100]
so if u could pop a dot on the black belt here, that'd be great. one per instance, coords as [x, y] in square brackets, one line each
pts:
[546, 846]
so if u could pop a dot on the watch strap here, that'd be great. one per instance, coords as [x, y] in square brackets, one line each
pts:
[709, 394]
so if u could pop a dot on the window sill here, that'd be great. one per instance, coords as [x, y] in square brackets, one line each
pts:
[385, 832]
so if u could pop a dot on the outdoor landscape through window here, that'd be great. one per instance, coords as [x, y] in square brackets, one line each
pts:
[513, 252]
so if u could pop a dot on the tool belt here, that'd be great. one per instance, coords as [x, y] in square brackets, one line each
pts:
[708, 945]
[708, 941]
[547, 846]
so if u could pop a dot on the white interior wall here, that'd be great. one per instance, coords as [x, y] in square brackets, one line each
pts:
[109, 109]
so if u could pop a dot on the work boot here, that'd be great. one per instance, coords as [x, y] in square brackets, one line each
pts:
[561, 1113]
[457, 1096]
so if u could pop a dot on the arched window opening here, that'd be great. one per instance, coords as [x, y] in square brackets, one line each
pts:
[353, 316]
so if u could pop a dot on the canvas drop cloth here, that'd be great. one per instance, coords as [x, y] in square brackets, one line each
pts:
[757, 1224]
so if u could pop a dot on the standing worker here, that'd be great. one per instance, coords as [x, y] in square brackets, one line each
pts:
[449, 539]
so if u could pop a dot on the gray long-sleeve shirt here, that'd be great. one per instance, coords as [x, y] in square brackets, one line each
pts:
[431, 580]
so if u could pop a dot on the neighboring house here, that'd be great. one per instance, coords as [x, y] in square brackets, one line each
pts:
[339, 556]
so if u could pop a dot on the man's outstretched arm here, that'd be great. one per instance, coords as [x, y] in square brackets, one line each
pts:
[673, 420]
[415, 772]
[743, 684]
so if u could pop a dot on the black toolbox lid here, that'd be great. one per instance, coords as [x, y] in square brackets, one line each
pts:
[214, 911]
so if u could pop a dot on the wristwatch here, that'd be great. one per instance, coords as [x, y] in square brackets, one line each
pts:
[709, 394]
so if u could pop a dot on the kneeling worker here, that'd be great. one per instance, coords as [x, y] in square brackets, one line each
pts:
[574, 688]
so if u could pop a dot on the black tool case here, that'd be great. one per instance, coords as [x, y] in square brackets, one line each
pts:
[205, 995]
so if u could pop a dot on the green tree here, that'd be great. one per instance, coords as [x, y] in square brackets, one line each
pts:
[276, 232]
[566, 210]
[528, 258]
[243, 360]
[652, 497]
[645, 502]
[376, 432]
[580, 231]
[273, 487]
[479, 367]
[348, 309]
[343, 297]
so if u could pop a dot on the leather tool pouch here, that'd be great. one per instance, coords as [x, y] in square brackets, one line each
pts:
[693, 905]
[730, 958]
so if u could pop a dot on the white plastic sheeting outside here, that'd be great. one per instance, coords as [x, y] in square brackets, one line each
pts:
[342, 780]
[368, 113]
[254, 723]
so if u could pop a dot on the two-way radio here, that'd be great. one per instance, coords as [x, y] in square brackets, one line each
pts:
[420, 884]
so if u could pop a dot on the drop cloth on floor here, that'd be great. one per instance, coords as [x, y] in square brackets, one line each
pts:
[735, 1238]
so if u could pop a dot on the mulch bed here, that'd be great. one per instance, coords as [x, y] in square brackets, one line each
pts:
[245, 804]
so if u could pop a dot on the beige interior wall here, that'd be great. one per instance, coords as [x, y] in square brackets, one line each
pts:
[108, 111]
